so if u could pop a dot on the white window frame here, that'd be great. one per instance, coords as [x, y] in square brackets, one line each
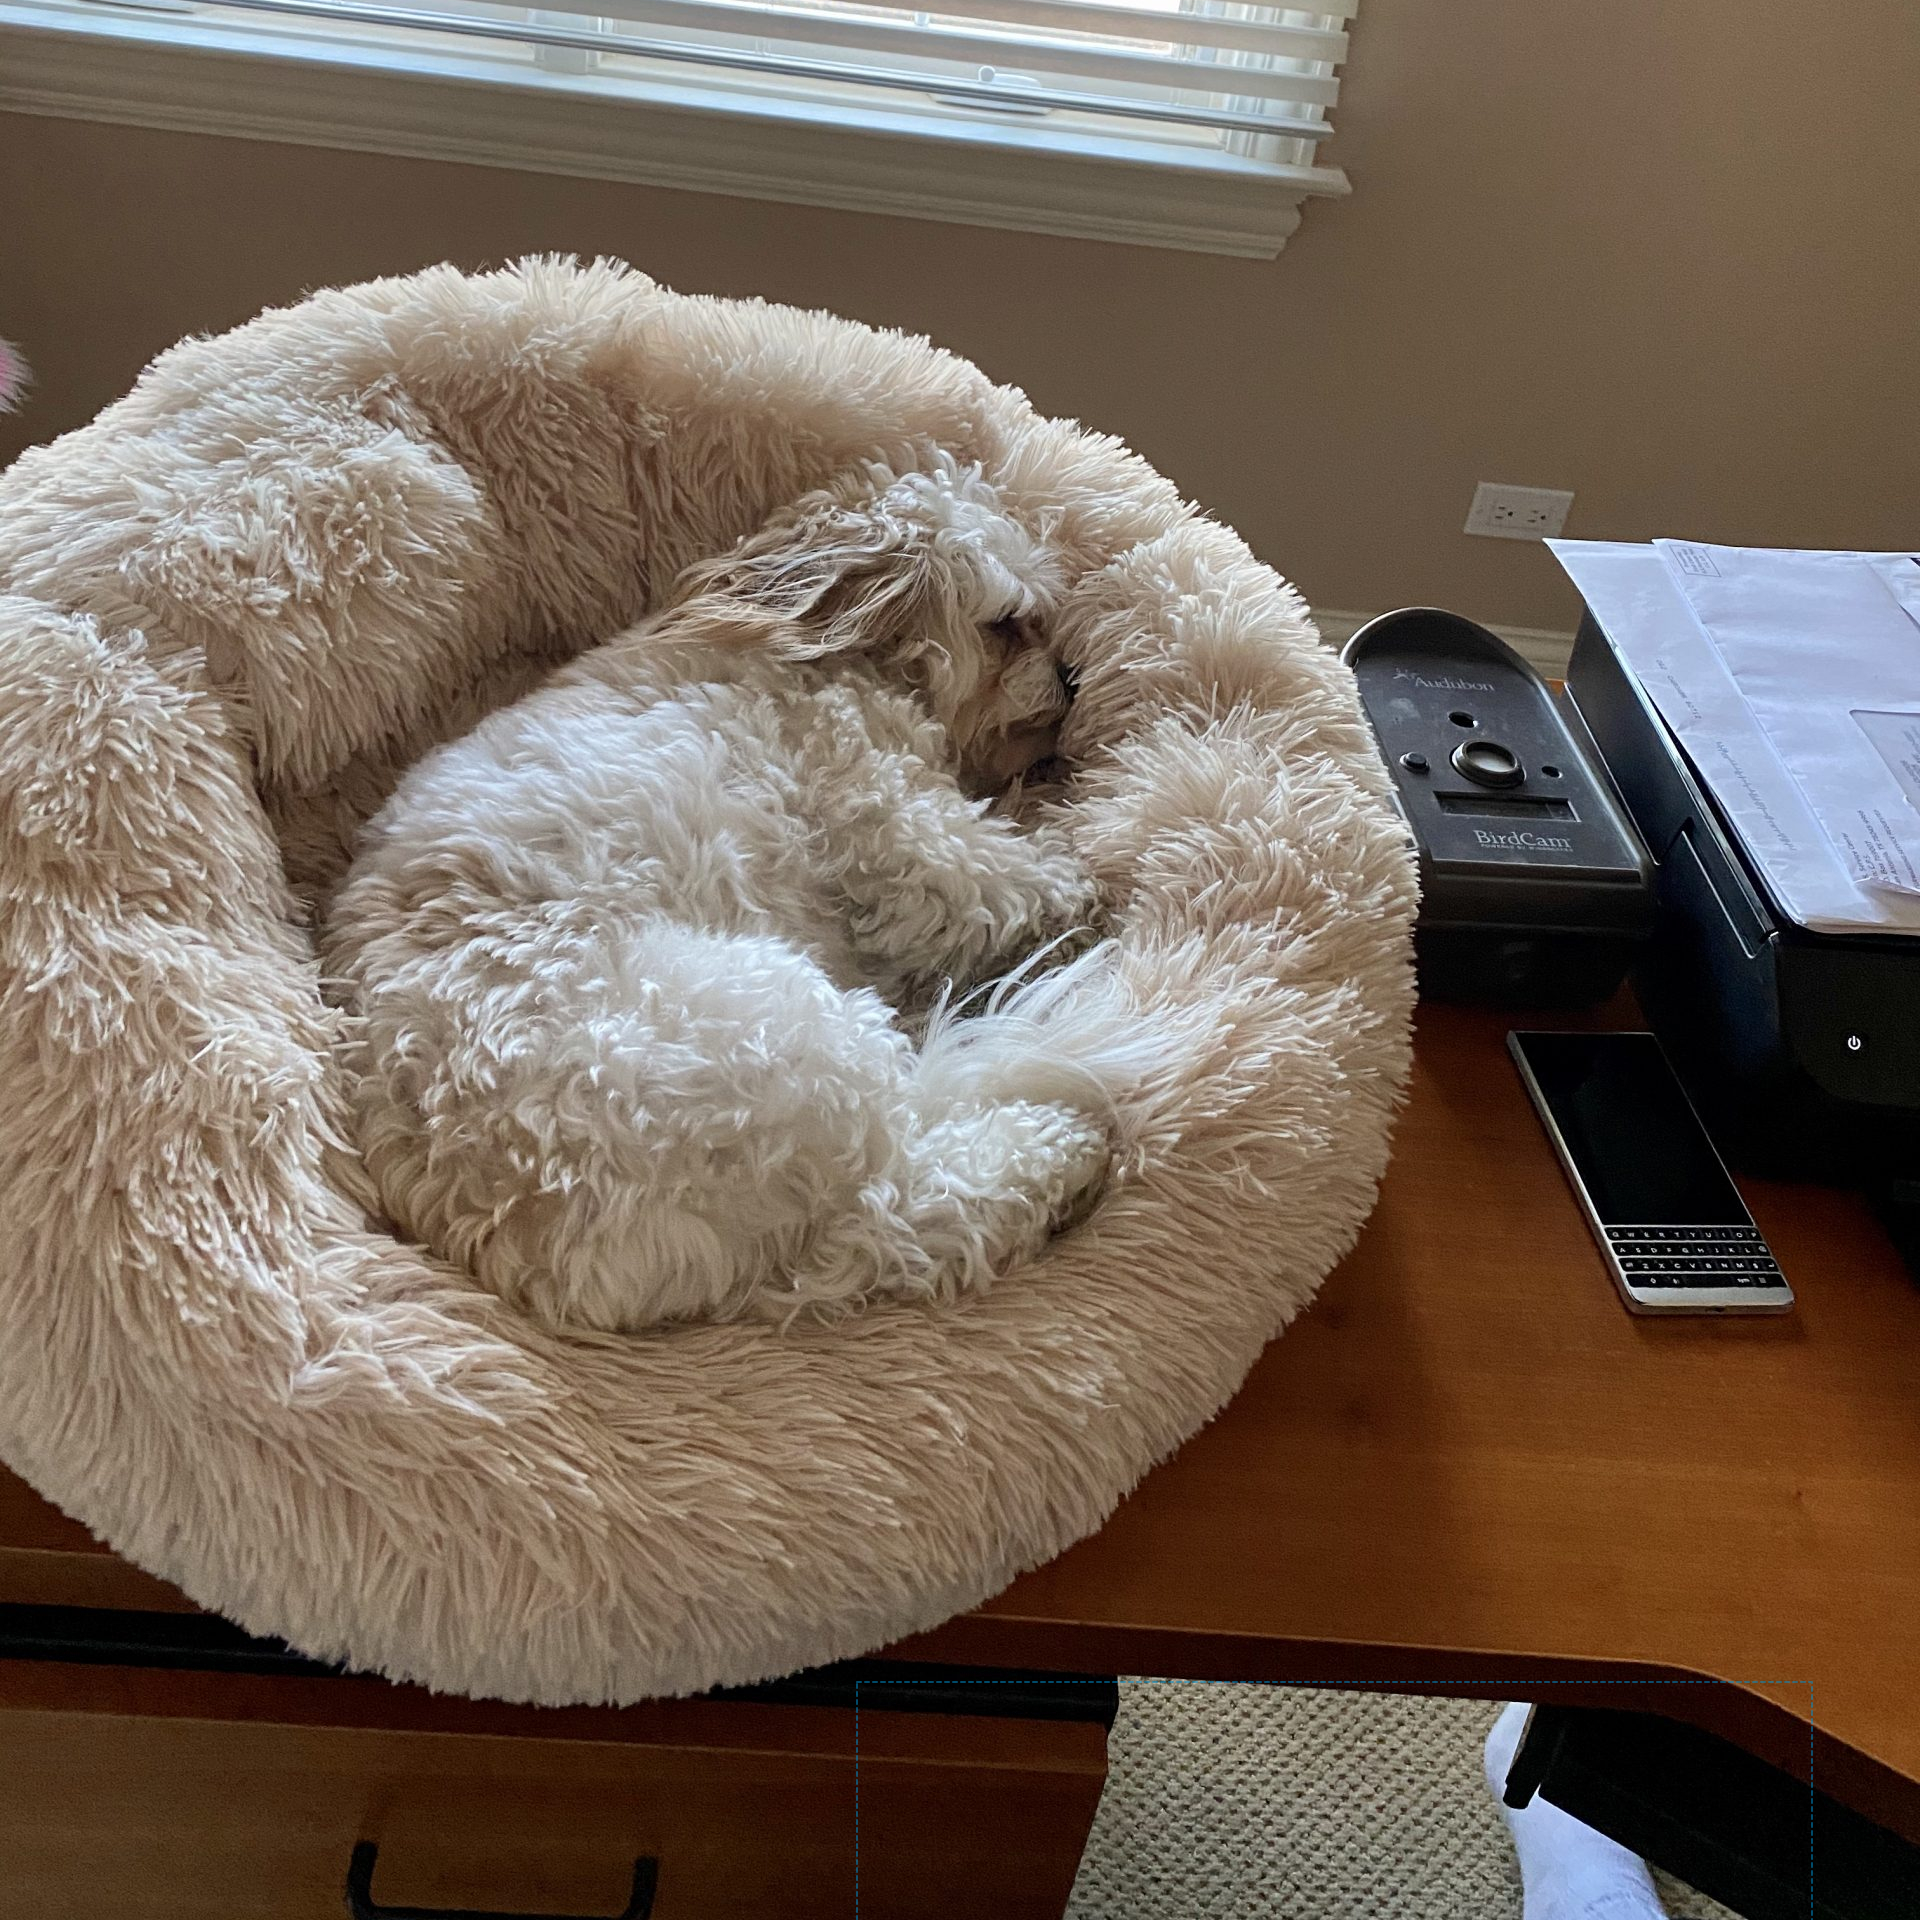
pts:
[161, 64]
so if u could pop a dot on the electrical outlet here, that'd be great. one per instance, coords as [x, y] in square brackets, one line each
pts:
[1517, 513]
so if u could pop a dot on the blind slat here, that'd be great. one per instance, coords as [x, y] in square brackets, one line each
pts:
[905, 39]
[1165, 26]
[1217, 80]
[1147, 23]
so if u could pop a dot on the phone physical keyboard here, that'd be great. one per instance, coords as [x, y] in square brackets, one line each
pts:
[1694, 1257]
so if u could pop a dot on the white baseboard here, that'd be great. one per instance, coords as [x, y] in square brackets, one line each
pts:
[1543, 648]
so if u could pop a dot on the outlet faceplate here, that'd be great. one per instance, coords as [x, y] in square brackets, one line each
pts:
[1518, 513]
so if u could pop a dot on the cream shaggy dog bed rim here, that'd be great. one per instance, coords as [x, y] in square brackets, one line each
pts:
[230, 611]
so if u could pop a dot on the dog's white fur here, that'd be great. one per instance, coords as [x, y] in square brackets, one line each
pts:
[627, 957]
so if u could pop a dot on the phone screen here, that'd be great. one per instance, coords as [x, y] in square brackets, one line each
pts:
[1639, 1148]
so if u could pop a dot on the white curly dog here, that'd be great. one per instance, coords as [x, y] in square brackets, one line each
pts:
[627, 958]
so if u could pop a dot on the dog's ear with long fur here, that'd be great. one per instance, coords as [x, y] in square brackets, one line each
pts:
[832, 577]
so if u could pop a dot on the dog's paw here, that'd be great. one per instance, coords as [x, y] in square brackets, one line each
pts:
[1067, 901]
[1058, 915]
[1084, 1162]
[1057, 1170]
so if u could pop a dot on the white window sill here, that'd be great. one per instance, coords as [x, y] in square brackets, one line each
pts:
[177, 72]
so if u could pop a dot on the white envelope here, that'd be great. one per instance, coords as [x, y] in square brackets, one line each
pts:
[1632, 593]
[1814, 640]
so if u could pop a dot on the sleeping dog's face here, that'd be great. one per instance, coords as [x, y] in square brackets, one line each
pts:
[987, 592]
[1010, 722]
[929, 577]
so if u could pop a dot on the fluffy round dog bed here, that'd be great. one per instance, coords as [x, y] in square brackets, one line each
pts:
[231, 609]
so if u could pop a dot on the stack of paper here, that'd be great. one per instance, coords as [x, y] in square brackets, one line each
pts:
[1793, 681]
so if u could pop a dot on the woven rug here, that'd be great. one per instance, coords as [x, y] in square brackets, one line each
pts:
[1228, 1802]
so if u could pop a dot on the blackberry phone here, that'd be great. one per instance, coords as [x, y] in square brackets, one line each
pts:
[1672, 1228]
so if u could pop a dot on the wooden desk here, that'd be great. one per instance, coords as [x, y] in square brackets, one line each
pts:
[1468, 1468]
[1468, 1465]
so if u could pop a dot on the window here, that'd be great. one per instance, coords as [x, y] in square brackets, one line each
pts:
[1183, 122]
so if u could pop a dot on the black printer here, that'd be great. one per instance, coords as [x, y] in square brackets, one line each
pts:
[1802, 1049]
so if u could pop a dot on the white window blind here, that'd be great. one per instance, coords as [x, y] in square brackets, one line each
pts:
[1254, 81]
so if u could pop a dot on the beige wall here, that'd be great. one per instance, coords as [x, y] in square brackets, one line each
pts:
[1664, 252]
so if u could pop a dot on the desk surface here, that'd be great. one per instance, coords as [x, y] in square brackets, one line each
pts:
[1468, 1467]
[1468, 1464]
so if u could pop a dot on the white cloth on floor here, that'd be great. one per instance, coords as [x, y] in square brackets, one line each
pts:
[1567, 1870]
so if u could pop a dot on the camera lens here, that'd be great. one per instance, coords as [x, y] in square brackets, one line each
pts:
[1488, 764]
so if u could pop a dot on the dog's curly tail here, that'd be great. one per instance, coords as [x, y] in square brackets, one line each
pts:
[1086, 1035]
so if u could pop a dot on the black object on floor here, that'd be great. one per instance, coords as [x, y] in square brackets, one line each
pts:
[1741, 1831]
